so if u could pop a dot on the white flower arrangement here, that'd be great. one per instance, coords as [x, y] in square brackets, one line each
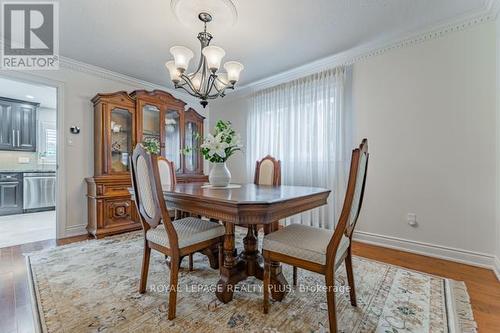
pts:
[222, 144]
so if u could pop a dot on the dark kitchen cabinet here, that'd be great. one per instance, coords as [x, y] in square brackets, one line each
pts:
[6, 129]
[11, 193]
[17, 125]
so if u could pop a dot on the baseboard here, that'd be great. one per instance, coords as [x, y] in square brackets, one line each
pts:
[497, 268]
[431, 250]
[75, 230]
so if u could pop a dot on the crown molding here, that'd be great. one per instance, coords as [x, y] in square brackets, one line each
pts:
[83, 67]
[79, 66]
[494, 7]
[107, 74]
[489, 12]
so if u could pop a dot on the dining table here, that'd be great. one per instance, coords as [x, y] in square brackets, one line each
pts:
[247, 205]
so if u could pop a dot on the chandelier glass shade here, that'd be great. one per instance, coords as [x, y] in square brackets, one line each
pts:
[206, 82]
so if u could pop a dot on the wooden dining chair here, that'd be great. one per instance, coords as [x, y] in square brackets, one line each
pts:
[268, 171]
[174, 239]
[168, 178]
[319, 250]
[166, 169]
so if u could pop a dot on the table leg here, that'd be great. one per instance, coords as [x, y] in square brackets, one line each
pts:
[232, 271]
[251, 254]
[278, 282]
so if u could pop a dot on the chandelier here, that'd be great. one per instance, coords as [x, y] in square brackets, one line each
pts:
[205, 82]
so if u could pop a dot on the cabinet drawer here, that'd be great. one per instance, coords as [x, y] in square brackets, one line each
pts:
[119, 211]
[11, 177]
[116, 190]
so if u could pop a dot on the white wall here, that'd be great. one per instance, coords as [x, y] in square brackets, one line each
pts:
[497, 259]
[79, 88]
[428, 112]
[234, 111]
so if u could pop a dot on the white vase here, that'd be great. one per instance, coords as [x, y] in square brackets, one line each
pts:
[219, 175]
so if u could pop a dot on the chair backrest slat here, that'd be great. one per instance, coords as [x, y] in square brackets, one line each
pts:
[268, 171]
[353, 199]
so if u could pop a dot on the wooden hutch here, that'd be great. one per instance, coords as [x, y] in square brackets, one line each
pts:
[122, 120]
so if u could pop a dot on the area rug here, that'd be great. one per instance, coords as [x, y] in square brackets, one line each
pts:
[92, 287]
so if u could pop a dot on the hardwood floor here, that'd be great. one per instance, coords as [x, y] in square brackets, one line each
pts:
[484, 288]
[16, 313]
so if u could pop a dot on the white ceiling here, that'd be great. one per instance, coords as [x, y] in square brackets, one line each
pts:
[46, 96]
[133, 37]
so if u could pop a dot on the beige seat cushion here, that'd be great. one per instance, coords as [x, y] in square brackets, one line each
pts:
[304, 242]
[189, 230]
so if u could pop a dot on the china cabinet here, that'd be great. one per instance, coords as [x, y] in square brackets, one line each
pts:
[122, 120]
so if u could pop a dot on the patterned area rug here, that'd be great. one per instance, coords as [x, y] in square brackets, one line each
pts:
[92, 287]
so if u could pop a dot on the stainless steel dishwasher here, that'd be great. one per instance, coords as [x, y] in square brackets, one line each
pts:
[39, 191]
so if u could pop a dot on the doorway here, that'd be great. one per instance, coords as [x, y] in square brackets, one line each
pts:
[28, 162]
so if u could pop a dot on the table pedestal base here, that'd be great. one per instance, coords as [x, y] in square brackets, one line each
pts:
[248, 263]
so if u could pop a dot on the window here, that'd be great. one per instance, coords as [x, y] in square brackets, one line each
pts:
[47, 149]
[305, 124]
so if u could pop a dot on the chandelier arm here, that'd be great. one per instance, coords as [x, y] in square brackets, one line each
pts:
[189, 84]
[224, 87]
[213, 85]
[188, 91]
[211, 82]
[213, 96]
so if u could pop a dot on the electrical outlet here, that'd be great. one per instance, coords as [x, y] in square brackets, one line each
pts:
[23, 160]
[412, 220]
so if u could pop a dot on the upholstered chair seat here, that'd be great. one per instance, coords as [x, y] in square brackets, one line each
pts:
[304, 242]
[189, 230]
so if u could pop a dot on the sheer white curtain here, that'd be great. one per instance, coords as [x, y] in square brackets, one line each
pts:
[304, 123]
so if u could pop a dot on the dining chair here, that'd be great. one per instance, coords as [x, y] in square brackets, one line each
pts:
[168, 178]
[166, 169]
[319, 250]
[267, 172]
[175, 239]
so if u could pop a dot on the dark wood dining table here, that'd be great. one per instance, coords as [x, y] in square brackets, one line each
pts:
[248, 205]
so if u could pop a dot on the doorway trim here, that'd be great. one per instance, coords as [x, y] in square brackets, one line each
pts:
[61, 197]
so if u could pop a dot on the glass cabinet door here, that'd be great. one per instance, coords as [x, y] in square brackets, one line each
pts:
[121, 139]
[150, 122]
[172, 130]
[192, 136]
